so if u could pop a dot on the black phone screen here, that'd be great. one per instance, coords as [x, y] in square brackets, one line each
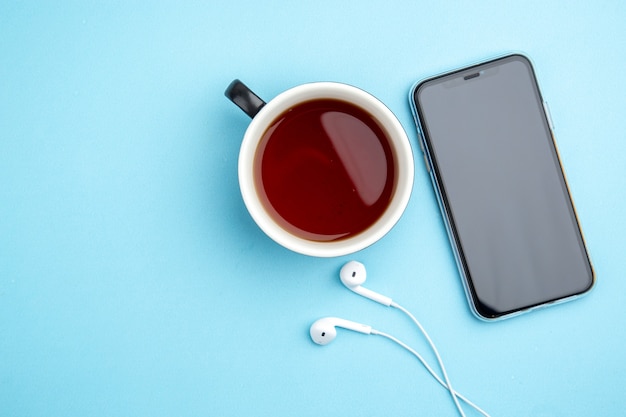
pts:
[502, 188]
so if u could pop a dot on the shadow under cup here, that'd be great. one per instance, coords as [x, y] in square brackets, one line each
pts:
[325, 169]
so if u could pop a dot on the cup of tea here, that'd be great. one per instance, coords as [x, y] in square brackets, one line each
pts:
[325, 168]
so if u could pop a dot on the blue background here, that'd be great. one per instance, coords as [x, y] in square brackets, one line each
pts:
[133, 281]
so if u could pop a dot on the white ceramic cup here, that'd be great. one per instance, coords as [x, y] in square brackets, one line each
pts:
[264, 114]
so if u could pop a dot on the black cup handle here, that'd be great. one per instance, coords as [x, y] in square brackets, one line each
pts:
[244, 98]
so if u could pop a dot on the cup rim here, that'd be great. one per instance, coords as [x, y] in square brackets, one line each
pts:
[401, 149]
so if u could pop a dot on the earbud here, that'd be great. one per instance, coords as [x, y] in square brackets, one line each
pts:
[353, 275]
[324, 331]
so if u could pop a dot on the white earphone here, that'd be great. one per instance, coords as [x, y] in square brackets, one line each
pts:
[324, 330]
[353, 275]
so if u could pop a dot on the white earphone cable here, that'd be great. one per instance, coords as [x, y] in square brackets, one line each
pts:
[447, 383]
[432, 372]
[435, 351]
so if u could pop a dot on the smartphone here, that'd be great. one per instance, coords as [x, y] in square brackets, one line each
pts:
[488, 144]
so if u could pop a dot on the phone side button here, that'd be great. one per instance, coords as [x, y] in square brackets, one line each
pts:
[548, 115]
[426, 162]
